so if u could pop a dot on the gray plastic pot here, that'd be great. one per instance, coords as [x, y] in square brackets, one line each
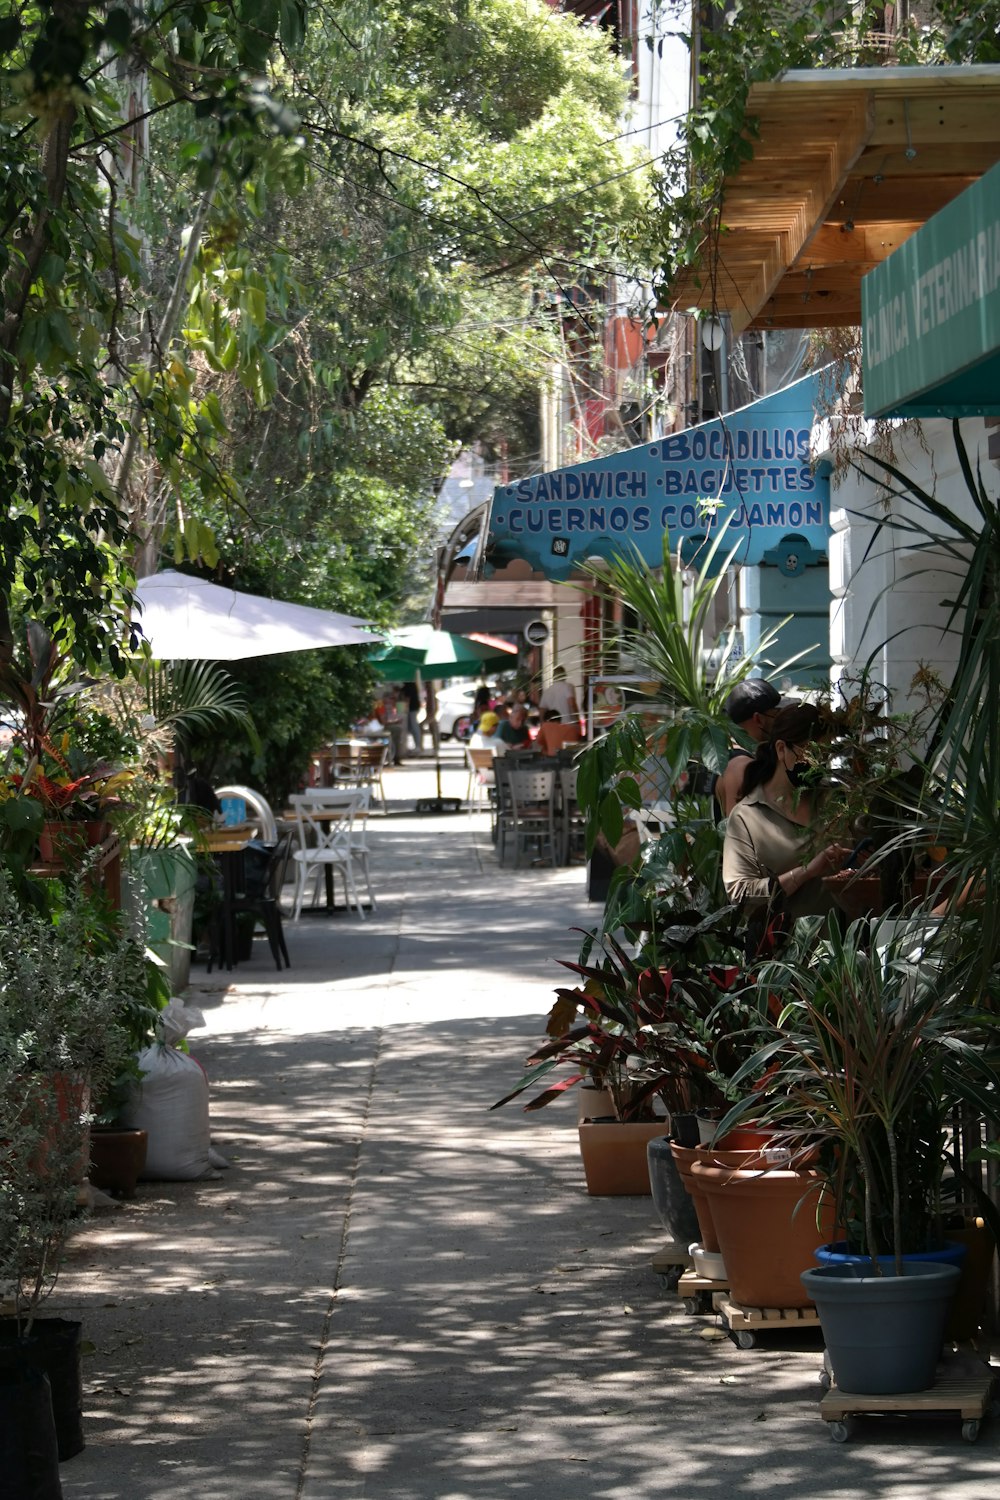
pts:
[883, 1333]
[671, 1198]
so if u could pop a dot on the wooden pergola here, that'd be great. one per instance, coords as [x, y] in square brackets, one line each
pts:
[846, 166]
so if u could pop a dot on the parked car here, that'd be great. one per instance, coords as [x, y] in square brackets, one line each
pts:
[454, 710]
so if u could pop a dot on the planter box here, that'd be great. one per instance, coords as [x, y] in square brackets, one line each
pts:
[614, 1156]
[161, 882]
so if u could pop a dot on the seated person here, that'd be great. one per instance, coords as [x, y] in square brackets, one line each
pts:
[485, 734]
[768, 863]
[554, 734]
[513, 731]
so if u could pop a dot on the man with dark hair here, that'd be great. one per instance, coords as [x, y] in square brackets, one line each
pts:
[752, 706]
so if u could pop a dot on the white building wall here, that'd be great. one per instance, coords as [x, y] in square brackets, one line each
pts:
[889, 588]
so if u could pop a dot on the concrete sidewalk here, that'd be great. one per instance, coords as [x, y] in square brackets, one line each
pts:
[393, 1293]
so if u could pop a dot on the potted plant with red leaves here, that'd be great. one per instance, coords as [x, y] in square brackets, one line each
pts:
[660, 1041]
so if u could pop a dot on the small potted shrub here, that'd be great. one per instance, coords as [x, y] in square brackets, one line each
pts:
[658, 1039]
[68, 974]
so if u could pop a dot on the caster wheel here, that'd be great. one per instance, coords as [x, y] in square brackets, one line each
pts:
[669, 1279]
[745, 1339]
[970, 1430]
[824, 1381]
[691, 1306]
[840, 1431]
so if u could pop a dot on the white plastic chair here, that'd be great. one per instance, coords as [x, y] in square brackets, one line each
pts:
[327, 842]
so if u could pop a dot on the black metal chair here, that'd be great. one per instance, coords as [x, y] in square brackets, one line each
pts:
[258, 893]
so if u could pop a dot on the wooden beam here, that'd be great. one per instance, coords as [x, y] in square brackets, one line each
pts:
[845, 148]
[866, 243]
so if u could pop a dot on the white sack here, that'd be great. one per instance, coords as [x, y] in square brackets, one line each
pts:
[171, 1104]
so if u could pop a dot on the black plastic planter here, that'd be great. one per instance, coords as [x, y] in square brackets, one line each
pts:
[53, 1349]
[29, 1455]
[671, 1198]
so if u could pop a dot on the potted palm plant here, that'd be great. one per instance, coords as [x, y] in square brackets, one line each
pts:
[69, 973]
[872, 1050]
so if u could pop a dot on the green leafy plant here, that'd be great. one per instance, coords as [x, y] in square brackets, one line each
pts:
[649, 1033]
[72, 982]
[868, 1047]
[952, 800]
[684, 724]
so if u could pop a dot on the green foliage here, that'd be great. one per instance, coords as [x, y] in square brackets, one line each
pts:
[869, 1047]
[954, 802]
[660, 739]
[72, 988]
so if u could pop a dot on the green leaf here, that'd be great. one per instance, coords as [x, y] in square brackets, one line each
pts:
[628, 791]
[611, 818]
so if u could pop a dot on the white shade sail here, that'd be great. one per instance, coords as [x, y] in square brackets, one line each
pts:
[190, 619]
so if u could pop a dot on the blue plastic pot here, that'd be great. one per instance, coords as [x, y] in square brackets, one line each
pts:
[837, 1254]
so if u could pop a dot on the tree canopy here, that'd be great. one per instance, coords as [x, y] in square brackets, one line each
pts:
[263, 267]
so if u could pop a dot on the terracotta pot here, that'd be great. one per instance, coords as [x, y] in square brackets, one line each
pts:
[54, 1104]
[62, 840]
[749, 1138]
[684, 1157]
[117, 1157]
[766, 1224]
[856, 895]
[614, 1156]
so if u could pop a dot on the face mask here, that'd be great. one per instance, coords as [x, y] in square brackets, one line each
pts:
[803, 776]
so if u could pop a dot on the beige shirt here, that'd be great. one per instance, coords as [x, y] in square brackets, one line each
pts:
[761, 843]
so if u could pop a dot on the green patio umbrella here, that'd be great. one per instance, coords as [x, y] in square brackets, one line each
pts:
[438, 653]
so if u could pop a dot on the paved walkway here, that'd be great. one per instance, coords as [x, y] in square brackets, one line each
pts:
[393, 1294]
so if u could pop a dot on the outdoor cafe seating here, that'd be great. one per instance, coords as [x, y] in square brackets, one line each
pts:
[353, 763]
[251, 856]
[330, 824]
[536, 810]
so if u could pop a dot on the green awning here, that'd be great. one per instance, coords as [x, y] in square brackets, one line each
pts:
[931, 314]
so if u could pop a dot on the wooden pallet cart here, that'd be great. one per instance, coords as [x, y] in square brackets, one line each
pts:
[669, 1264]
[743, 1324]
[697, 1292]
[963, 1388]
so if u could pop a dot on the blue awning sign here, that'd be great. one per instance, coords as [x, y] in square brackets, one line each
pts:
[749, 470]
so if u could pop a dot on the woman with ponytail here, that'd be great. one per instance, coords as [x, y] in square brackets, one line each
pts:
[768, 863]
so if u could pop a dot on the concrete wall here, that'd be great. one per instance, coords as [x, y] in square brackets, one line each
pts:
[888, 588]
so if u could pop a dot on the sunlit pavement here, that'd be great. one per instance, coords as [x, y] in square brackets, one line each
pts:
[395, 1294]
